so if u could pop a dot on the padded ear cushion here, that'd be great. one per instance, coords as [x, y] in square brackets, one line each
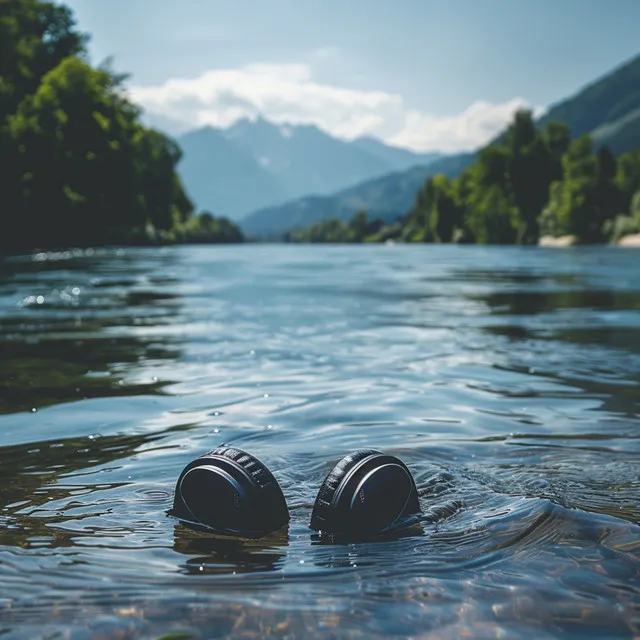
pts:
[260, 506]
[324, 501]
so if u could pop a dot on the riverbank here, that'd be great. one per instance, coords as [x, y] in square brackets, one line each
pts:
[560, 241]
[632, 240]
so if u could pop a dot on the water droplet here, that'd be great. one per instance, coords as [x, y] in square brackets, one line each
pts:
[40, 299]
[301, 561]
[75, 291]
[34, 410]
[154, 379]
[266, 395]
[216, 431]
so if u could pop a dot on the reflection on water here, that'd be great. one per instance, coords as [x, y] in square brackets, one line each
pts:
[220, 555]
[507, 379]
[68, 334]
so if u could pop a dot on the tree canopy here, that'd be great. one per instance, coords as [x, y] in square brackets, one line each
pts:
[79, 167]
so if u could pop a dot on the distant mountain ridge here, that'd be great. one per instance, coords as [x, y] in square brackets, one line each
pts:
[608, 110]
[381, 197]
[603, 107]
[255, 163]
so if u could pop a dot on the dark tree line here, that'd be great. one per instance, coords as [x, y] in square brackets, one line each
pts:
[78, 167]
[358, 229]
[532, 182]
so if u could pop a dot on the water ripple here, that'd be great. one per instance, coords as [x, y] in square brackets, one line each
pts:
[507, 379]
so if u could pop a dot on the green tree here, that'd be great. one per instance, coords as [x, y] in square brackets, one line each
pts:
[635, 208]
[490, 215]
[78, 166]
[417, 226]
[530, 172]
[445, 212]
[357, 227]
[76, 156]
[492, 218]
[206, 228]
[35, 37]
[161, 194]
[576, 203]
[609, 199]
[530, 181]
[628, 176]
[558, 139]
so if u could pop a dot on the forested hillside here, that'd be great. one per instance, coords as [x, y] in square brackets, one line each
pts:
[535, 181]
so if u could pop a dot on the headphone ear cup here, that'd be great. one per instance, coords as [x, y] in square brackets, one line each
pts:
[322, 509]
[366, 493]
[230, 492]
[270, 507]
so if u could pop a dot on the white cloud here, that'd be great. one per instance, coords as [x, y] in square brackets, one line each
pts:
[287, 93]
[476, 125]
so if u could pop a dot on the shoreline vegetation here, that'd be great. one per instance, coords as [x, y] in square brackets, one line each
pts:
[79, 168]
[630, 240]
[533, 186]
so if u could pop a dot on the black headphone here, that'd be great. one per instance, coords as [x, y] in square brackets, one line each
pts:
[228, 491]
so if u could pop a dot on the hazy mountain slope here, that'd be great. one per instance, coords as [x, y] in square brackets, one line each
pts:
[223, 179]
[257, 164]
[621, 135]
[306, 160]
[399, 157]
[386, 197]
[605, 101]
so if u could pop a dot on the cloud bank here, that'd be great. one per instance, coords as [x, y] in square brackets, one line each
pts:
[287, 93]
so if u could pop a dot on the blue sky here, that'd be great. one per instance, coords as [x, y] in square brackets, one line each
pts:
[423, 74]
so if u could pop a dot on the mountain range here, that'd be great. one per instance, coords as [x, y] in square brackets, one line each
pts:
[385, 197]
[255, 163]
[608, 110]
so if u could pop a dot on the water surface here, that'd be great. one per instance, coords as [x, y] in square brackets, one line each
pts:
[507, 379]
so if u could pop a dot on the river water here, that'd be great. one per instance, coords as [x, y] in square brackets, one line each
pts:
[507, 379]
